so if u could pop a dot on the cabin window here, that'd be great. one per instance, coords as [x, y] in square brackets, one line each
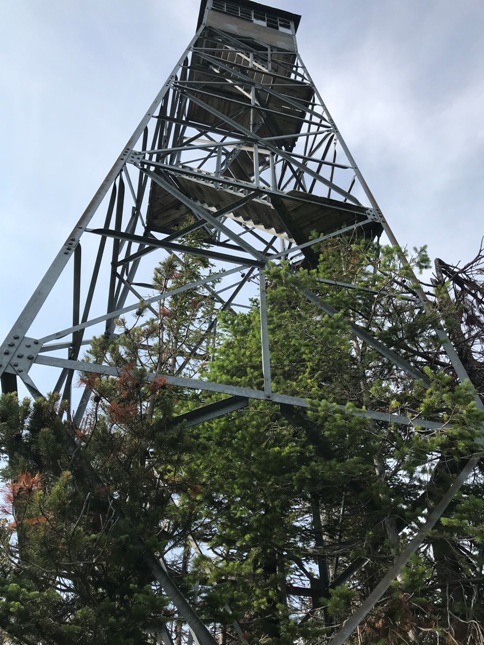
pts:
[272, 22]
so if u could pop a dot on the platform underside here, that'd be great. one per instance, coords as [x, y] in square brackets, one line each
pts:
[302, 212]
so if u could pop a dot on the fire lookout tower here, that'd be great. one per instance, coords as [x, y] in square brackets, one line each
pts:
[238, 152]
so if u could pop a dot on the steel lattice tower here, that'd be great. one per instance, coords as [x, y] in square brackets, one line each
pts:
[239, 142]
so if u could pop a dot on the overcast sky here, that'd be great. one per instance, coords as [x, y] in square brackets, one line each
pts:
[403, 79]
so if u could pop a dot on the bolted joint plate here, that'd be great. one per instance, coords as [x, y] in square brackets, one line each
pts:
[19, 359]
[136, 157]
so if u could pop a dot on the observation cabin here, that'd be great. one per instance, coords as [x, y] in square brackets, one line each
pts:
[244, 77]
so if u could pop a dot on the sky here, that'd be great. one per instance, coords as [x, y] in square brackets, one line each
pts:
[403, 79]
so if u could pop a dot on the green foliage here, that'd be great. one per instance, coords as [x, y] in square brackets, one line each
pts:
[341, 601]
[258, 507]
[69, 571]
[270, 477]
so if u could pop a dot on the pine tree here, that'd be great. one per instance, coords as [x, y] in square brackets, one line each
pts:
[274, 521]
[334, 488]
